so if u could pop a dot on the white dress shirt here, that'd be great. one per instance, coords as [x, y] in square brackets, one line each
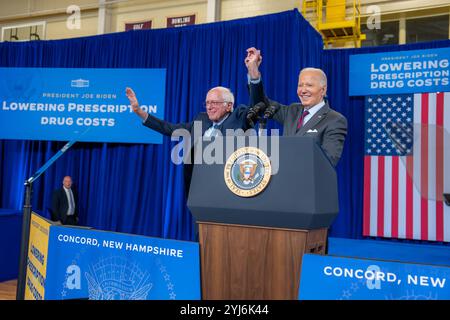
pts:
[212, 131]
[70, 201]
[312, 111]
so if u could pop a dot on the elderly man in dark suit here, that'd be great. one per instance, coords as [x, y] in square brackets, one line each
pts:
[312, 117]
[64, 203]
[220, 116]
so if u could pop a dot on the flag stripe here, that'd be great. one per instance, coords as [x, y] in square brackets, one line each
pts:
[431, 154]
[395, 202]
[413, 169]
[409, 197]
[387, 212]
[374, 196]
[402, 199]
[446, 149]
[424, 169]
[439, 166]
[367, 176]
[380, 204]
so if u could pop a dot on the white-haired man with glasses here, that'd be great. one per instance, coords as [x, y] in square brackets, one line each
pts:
[220, 115]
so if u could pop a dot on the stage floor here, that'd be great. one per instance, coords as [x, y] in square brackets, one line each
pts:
[8, 290]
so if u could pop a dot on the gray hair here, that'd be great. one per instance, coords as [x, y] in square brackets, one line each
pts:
[227, 95]
[323, 76]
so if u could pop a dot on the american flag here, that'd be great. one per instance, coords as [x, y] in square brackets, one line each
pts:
[407, 166]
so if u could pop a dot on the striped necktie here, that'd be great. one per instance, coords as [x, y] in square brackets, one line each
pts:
[302, 118]
[212, 130]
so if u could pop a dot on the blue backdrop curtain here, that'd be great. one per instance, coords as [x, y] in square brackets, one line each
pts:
[135, 188]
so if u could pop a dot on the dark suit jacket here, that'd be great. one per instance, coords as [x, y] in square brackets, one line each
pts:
[60, 205]
[328, 127]
[236, 120]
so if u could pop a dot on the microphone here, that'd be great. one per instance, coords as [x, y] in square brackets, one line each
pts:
[270, 111]
[253, 112]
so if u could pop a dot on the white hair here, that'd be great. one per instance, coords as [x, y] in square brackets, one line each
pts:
[323, 76]
[227, 95]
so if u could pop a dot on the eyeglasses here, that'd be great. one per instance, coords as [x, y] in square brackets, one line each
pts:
[214, 103]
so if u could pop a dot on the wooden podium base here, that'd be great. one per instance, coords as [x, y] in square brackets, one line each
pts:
[254, 263]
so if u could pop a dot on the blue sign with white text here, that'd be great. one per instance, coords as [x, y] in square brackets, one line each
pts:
[82, 104]
[99, 265]
[339, 278]
[412, 71]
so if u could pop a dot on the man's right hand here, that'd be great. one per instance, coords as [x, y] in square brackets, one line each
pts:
[252, 62]
[134, 103]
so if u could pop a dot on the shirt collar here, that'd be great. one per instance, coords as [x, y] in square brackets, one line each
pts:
[315, 108]
[221, 121]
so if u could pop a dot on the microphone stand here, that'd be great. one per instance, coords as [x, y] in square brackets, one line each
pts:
[262, 126]
[268, 114]
[26, 220]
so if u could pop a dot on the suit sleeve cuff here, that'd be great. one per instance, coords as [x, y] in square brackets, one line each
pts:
[253, 81]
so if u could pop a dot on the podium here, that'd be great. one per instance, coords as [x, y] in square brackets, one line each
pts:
[252, 247]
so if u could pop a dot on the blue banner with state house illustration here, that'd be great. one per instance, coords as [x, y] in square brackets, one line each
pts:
[98, 265]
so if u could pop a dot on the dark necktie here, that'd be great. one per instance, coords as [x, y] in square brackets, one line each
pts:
[215, 127]
[302, 118]
[211, 132]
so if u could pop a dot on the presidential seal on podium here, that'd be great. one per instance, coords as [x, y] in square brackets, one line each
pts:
[247, 171]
